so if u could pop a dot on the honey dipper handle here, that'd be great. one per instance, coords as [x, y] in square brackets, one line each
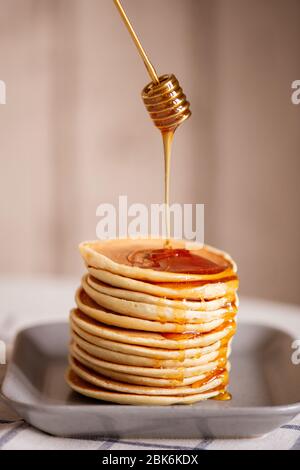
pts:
[149, 66]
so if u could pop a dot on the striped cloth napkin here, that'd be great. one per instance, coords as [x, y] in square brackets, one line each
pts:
[19, 435]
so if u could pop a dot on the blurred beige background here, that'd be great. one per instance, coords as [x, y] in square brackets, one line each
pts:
[74, 132]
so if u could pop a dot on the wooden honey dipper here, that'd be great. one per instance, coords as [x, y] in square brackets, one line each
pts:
[167, 106]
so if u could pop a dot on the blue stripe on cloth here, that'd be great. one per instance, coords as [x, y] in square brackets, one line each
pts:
[87, 437]
[108, 444]
[11, 434]
[203, 444]
[294, 427]
[146, 444]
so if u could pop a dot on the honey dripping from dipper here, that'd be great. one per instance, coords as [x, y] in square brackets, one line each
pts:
[168, 108]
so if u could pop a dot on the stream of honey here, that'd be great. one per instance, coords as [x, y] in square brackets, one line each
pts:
[168, 138]
[167, 258]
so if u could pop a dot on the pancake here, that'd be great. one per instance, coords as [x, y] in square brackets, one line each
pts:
[90, 308]
[114, 256]
[210, 383]
[93, 391]
[154, 312]
[142, 351]
[125, 358]
[139, 379]
[168, 373]
[129, 289]
[218, 294]
[146, 338]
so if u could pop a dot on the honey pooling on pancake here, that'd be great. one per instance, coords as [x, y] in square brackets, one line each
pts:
[174, 260]
[153, 325]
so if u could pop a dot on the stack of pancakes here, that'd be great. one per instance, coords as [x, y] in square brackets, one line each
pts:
[147, 332]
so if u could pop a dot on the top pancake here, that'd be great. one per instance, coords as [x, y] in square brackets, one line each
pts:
[115, 257]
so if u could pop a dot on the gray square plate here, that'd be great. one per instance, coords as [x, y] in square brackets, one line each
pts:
[264, 383]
